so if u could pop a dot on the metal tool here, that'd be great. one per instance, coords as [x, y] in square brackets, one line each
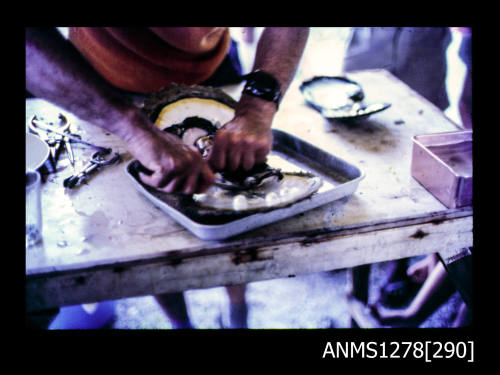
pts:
[99, 159]
[257, 176]
[69, 151]
[54, 140]
[40, 125]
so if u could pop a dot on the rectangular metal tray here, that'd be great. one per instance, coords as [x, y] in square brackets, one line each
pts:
[442, 163]
[340, 179]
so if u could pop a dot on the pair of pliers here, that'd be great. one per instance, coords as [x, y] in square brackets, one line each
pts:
[99, 159]
[54, 139]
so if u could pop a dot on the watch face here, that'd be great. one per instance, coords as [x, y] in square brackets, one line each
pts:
[262, 85]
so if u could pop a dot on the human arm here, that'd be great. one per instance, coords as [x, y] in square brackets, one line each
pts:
[57, 72]
[247, 139]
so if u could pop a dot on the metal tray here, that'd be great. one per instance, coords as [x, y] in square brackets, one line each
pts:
[442, 163]
[340, 179]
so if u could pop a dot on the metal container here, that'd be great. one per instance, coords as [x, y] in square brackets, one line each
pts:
[442, 163]
[340, 179]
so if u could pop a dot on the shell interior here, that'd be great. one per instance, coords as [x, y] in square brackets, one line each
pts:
[331, 92]
[209, 109]
[273, 193]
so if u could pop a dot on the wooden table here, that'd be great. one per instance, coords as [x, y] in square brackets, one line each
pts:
[105, 241]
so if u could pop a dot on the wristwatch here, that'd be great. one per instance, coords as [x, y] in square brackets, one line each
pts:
[262, 85]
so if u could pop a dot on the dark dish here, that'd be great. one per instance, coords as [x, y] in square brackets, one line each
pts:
[338, 98]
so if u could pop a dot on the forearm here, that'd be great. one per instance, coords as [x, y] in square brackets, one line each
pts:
[436, 290]
[247, 139]
[278, 53]
[57, 72]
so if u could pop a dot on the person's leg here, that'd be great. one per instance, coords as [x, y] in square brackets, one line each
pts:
[463, 317]
[420, 270]
[238, 309]
[435, 291]
[357, 287]
[397, 270]
[404, 282]
[174, 305]
[398, 289]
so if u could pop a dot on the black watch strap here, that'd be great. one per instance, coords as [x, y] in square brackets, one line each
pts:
[262, 85]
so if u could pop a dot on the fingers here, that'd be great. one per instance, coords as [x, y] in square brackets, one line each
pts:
[217, 155]
[233, 158]
[417, 274]
[177, 168]
[176, 185]
[158, 179]
[196, 183]
[234, 151]
[205, 180]
[248, 160]
[191, 177]
[261, 153]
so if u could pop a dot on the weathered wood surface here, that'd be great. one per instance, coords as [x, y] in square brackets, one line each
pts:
[104, 240]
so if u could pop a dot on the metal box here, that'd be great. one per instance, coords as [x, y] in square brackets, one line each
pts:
[442, 163]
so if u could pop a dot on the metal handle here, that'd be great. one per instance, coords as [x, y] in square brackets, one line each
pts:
[72, 181]
[98, 160]
[74, 138]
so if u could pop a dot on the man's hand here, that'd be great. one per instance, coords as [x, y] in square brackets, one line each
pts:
[240, 145]
[176, 167]
[246, 140]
